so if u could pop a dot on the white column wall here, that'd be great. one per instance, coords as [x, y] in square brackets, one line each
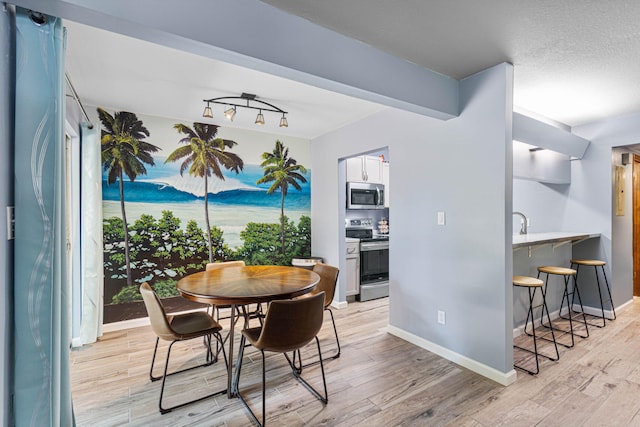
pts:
[461, 167]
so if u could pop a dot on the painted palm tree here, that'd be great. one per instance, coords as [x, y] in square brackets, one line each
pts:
[282, 171]
[205, 155]
[124, 151]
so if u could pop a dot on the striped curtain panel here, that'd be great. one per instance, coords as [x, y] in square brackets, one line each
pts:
[42, 335]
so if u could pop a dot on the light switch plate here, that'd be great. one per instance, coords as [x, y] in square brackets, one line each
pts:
[441, 218]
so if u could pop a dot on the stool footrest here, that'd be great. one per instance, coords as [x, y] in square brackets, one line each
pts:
[553, 359]
[565, 332]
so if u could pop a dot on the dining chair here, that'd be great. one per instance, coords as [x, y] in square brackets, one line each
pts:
[288, 326]
[179, 327]
[215, 266]
[327, 284]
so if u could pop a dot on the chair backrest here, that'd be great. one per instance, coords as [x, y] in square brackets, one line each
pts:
[291, 324]
[328, 280]
[216, 265]
[157, 316]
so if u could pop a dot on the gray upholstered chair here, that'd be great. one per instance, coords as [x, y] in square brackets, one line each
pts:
[288, 326]
[179, 327]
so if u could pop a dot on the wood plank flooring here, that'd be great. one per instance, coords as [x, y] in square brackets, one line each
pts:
[380, 380]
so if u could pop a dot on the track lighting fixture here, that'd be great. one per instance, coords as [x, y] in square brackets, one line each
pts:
[249, 101]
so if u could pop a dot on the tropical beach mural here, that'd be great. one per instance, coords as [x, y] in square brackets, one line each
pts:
[193, 193]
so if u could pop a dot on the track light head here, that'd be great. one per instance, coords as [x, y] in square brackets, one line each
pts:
[207, 112]
[230, 113]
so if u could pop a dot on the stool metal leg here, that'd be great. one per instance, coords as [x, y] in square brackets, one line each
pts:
[613, 307]
[565, 295]
[603, 316]
[532, 293]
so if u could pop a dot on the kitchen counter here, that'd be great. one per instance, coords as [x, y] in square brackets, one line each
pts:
[352, 240]
[556, 237]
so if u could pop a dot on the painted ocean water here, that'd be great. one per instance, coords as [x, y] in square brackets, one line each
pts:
[233, 202]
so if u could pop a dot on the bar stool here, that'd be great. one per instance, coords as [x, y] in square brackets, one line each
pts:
[566, 273]
[532, 284]
[595, 264]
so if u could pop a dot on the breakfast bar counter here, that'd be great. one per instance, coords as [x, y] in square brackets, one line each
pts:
[554, 238]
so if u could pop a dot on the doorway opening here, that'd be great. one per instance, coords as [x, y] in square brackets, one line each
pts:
[636, 225]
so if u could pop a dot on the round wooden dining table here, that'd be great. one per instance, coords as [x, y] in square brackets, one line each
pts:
[236, 286]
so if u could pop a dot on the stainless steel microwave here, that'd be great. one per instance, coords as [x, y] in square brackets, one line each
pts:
[361, 195]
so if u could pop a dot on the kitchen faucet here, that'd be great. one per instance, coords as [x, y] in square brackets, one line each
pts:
[523, 227]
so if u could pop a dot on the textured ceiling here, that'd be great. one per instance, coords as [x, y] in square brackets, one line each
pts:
[575, 61]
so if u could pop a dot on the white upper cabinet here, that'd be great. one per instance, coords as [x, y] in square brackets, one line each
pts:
[364, 169]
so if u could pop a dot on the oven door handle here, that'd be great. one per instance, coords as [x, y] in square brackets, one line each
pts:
[373, 246]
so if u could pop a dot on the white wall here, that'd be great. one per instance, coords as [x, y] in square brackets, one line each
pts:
[462, 167]
[7, 84]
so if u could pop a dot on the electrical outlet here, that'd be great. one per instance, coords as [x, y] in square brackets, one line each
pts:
[441, 317]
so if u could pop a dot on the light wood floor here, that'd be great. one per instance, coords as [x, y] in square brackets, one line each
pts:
[379, 380]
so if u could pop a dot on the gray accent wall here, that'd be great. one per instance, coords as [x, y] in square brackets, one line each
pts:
[7, 84]
[591, 198]
[461, 167]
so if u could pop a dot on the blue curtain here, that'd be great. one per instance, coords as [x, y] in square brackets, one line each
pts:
[42, 335]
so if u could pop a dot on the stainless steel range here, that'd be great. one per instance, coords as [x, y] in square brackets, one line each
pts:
[374, 258]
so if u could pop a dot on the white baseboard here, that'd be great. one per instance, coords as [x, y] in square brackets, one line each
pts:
[502, 378]
[125, 324]
[339, 305]
[593, 311]
[136, 323]
[76, 342]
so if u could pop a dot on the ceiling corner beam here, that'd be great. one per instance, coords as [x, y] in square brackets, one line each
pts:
[543, 135]
[258, 36]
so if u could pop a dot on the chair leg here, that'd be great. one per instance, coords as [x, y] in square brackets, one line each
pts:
[236, 384]
[297, 374]
[334, 356]
[335, 331]
[209, 361]
[155, 350]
